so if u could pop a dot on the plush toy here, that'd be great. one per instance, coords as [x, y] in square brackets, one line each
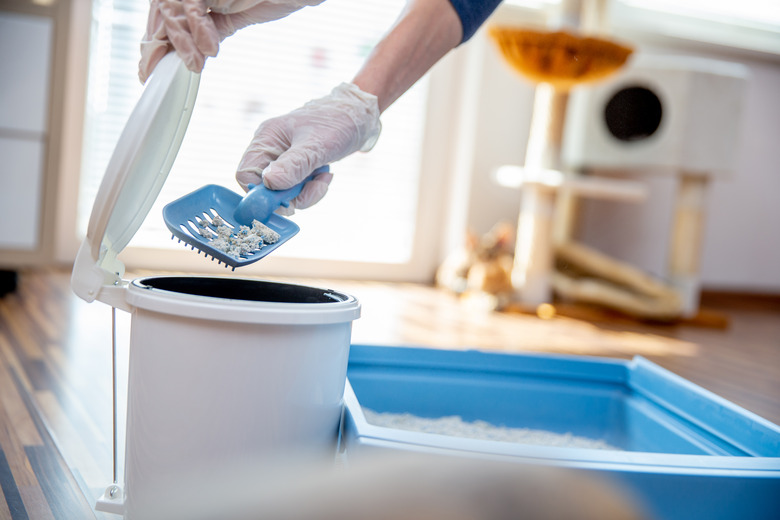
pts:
[482, 268]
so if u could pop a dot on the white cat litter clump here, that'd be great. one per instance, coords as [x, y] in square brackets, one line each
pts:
[455, 426]
[245, 241]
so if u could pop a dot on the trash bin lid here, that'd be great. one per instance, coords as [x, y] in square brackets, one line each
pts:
[137, 170]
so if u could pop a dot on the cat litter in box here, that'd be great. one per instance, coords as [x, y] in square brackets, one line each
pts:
[681, 450]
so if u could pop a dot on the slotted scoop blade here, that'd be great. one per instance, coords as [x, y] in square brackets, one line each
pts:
[182, 217]
[185, 216]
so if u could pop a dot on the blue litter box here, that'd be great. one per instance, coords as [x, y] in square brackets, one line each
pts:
[684, 452]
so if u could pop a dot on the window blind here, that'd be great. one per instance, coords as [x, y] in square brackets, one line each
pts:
[264, 71]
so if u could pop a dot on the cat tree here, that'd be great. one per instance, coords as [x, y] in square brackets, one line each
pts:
[699, 108]
[556, 61]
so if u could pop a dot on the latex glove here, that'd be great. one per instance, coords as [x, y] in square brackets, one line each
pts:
[194, 28]
[286, 149]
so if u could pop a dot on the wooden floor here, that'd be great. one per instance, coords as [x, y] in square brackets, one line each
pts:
[55, 368]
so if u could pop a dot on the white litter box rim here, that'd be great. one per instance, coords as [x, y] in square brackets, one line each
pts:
[368, 435]
[344, 308]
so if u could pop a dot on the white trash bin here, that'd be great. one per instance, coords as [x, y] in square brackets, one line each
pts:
[225, 374]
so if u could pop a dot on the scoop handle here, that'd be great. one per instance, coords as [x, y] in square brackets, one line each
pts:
[260, 202]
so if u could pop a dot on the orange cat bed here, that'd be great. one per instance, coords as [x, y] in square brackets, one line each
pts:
[559, 58]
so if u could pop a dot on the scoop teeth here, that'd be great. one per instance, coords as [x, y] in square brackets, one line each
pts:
[183, 226]
[196, 246]
[198, 250]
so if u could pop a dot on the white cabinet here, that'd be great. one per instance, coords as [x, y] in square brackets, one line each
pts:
[25, 64]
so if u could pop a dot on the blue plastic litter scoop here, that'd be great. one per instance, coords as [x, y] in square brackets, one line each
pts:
[232, 229]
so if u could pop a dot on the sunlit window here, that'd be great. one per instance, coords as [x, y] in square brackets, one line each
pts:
[747, 24]
[746, 12]
[263, 71]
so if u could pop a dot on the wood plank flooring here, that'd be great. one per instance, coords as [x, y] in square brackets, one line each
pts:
[55, 368]
[35, 480]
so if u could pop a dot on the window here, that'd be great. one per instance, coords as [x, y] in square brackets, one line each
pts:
[749, 25]
[756, 13]
[752, 25]
[261, 72]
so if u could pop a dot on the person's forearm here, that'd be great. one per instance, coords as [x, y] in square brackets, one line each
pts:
[423, 34]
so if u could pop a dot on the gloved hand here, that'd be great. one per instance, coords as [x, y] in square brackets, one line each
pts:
[195, 27]
[286, 149]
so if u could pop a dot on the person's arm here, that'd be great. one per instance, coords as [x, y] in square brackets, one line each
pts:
[194, 28]
[286, 149]
[422, 35]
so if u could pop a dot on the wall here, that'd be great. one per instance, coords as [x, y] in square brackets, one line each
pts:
[492, 129]
[33, 36]
[742, 244]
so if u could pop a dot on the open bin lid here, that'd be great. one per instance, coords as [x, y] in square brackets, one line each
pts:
[135, 174]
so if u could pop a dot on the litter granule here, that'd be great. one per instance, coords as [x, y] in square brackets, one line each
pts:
[455, 426]
[245, 241]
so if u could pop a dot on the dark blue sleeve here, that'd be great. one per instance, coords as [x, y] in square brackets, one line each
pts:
[473, 13]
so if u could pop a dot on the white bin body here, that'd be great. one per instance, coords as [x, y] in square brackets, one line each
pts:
[226, 376]
[210, 400]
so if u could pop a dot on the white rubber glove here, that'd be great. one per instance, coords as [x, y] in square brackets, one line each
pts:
[286, 149]
[194, 28]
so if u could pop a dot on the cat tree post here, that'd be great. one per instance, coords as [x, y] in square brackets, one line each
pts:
[686, 241]
[533, 261]
[555, 61]
[538, 228]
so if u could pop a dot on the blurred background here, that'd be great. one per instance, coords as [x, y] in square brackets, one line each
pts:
[688, 188]
[69, 81]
